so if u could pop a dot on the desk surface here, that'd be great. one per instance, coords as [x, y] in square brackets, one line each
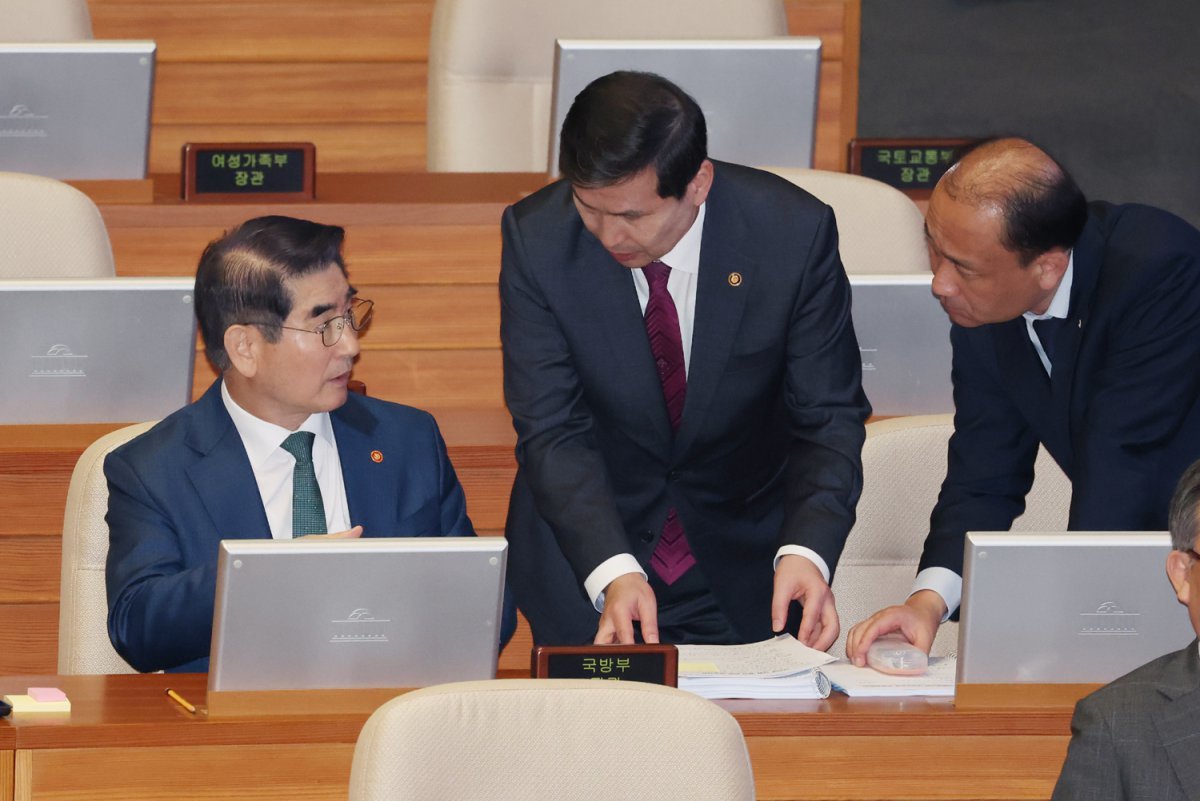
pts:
[134, 710]
[843, 748]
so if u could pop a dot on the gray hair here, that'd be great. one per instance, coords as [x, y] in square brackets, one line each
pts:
[1185, 504]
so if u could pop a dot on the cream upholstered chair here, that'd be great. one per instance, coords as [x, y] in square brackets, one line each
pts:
[533, 739]
[83, 644]
[50, 230]
[44, 20]
[904, 462]
[491, 65]
[880, 229]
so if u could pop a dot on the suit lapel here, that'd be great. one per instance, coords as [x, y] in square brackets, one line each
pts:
[720, 302]
[1176, 722]
[223, 477]
[370, 494]
[1088, 253]
[610, 305]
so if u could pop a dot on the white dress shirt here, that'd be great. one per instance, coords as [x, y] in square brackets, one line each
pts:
[273, 467]
[946, 582]
[684, 261]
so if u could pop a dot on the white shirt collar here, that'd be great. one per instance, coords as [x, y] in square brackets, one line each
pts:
[262, 439]
[685, 256]
[1060, 304]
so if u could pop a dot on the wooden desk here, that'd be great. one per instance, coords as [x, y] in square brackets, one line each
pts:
[126, 740]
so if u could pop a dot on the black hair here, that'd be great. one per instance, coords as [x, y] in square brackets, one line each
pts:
[624, 122]
[243, 276]
[1043, 209]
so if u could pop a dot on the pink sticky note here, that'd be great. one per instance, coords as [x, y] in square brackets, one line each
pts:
[45, 694]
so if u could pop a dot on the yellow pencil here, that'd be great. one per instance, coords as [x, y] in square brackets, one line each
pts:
[179, 699]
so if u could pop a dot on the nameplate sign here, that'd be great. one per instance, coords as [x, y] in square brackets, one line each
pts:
[653, 664]
[253, 172]
[911, 165]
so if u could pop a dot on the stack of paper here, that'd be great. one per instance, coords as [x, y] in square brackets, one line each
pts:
[865, 682]
[39, 701]
[777, 668]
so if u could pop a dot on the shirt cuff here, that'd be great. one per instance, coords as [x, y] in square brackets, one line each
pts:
[944, 582]
[807, 553]
[605, 572]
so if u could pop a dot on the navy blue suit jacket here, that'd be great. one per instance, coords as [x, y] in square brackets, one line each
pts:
[769, 448]
[179, 489]
[1121, 414]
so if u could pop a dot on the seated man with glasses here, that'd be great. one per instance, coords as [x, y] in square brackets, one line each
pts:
[276, 448]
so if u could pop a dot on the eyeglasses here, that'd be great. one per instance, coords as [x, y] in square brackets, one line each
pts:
[356, 317]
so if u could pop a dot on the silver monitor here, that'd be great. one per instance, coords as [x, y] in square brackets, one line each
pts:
[76, 110]
[759, 96]
[95, 350]
[1066, 607]
[904, 338]
[361, 613]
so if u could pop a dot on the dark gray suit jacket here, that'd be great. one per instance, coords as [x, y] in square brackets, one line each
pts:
[769, 448]
[1138, 739]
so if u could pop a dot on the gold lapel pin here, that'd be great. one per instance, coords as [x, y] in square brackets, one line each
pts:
[376, 456]
[735, 279]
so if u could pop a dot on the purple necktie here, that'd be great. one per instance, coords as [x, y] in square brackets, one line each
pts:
[672, 557]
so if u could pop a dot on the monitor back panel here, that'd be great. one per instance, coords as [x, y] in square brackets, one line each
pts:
[98, 350]
[904, 338]
[373, 612]
[76, 110]
[739, 84]
[1073, 607]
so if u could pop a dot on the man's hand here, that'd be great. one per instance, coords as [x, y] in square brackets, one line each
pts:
[798, 579]
[626, 599]
[352, 534]
[917, 619]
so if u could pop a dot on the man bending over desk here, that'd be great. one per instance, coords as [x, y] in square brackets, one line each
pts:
[1075, 326]
[275, 448]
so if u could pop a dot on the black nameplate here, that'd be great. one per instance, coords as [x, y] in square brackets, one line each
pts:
[911, 165]
[653, 664]
[249, 172]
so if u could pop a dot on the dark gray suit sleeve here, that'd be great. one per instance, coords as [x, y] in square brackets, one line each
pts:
[825, 404]
[555, 448]
[1092, 769]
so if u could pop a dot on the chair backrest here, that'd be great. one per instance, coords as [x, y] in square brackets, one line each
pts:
[50, 230]
[904, 462]
[491, 65]
[83, 644]
[880, 229]
[44, 20]
[531, 739]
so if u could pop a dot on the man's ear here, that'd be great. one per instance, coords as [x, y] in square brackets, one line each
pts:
[243, 344]
[1179, 565]
[697, 188]
[1051, 266]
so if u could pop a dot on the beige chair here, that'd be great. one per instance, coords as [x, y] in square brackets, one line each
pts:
[50, 230]
[880, 229]
[83, 644]
[904, 462]
[491, 65]
[552, 739]
[44, 20]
